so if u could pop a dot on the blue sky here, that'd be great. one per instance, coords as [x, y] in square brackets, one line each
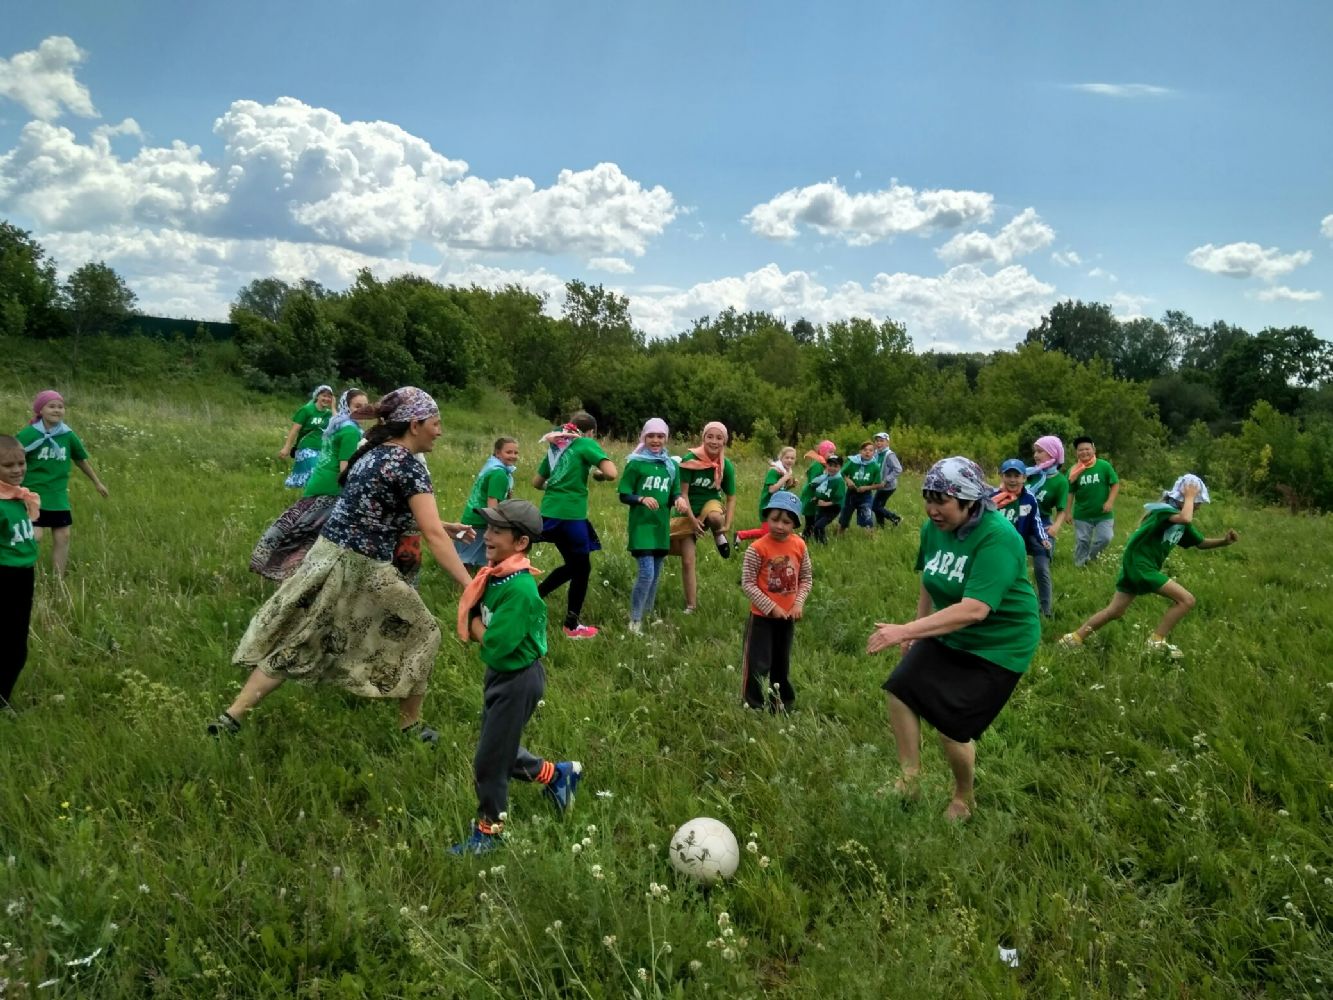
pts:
[957, 167]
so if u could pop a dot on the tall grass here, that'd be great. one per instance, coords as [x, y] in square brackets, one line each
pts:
[1143, 828]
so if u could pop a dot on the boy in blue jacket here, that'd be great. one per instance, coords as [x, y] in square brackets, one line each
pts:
[1017, 503]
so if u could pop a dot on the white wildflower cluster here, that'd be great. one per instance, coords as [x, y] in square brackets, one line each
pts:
[657, 892]
[727, 943]
[1200, 741]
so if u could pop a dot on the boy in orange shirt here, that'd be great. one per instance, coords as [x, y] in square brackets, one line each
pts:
[776, 577]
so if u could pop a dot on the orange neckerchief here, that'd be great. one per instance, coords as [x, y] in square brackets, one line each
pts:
[1003, 498]
[473, 592]
[31, 500]
[815, 456]
[697, 463]
[1080, 468]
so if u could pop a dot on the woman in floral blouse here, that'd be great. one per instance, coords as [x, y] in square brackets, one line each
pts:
[346, 616]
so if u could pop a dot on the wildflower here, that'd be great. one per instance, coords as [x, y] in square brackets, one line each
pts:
[596, 871]
[423, 909]
[605, 793]
[752, 847]
[591, 829]
[541, 702]
[652, 848]
[586, 841]
[696, 965]
[403, 911]
[337, 872]
[1283, 812]
[763, 861]
[1311, 870]
[113, 927]
[643, 975]
[143, 887]
[609, 942]
[576, 848]
[497, 870]
[723, 919]
[15, 906]
[729, 954]
[666, 947]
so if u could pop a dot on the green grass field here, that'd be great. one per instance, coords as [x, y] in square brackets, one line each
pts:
[1143, 828]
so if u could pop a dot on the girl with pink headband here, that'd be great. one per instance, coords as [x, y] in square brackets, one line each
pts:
[1051, 490]
[707, 478]
[650, 487]
[51, 447]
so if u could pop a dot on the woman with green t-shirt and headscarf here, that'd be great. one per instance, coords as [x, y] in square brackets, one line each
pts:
[975, 632]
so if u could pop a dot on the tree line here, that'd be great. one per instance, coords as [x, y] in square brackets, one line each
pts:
[1139, 386]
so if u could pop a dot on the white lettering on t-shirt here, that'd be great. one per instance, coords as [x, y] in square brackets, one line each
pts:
[653, 483]
[22, 533]
[957, 573]
[1174, 534]
[1088, 478]
[52, 453]
[947, 565]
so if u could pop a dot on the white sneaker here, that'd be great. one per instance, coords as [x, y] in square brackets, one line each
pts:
[1161, 646]
[636, 628]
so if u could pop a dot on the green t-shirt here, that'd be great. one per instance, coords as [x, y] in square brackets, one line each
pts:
[991, 566]
[515, 618]
[323, 481]
[701, 482]
[18, 544]
[1091, 491]
[48, 465]
[833, 489]
[1147, 549]
[566, 495]
[492, 484]
[808, 490]
[313, 420]
[1053, 495]
[862, 475]
[650, 530]
[770, 477]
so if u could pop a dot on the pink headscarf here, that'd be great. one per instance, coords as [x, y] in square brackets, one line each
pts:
[41, 399]
[1054, 447]
[701, 459]
[654, 425]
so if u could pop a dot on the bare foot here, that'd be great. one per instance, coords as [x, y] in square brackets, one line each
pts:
[908, 787]
[958, 811]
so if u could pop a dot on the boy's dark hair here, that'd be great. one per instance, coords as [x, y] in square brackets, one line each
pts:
[9, 444]
[518, 534]
[500, 442]
[1084, 439]
[791, 518]
[583, 420]
[833, 460]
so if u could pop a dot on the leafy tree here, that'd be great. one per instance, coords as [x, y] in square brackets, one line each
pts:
[29, 296]
[96, 299]
[1202, 348]
[1147, 349]
[1182, 402]
[1279, 365]
[1063, 426]
[867, 364]
[804, 331]
[1082, 330]
[1031, 379]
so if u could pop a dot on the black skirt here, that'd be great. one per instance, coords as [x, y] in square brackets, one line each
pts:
[958, 693]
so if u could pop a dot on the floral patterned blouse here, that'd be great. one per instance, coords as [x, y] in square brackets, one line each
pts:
[373, 512]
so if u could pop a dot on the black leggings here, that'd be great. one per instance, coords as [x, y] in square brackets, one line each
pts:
[575, 571]
[15, 609]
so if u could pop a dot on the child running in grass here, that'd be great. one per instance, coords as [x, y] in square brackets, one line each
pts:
[494, 483]
[890, 468]
[781, 475]
[1050, 486]
[19, 507]
[572, 453]
[861, 476]
[502, 610]
[50, 447]
[650, 487]
[777, 578]
[822, 498]
[1014, 501]
[305, 437]
[1094, 485]
[1165, 525]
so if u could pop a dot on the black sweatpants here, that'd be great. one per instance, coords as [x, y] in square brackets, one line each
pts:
[766, 663]
[508, 700]
[16, 583]
[575, 571]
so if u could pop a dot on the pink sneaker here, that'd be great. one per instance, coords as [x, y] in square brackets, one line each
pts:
[582, 632]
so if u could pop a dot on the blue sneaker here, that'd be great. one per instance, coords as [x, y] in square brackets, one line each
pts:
[560, 789]
[478, 843]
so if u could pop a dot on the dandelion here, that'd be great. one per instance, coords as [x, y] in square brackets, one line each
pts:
[609, 942]
[1311, 870]
[541, 702]
[586, 841]
[752, 847]
[696, 965]
[596, 871]
[15, 906]
[643, 975]
[592, 830]
[576, 848]
[729, 954]
[764, 862]
[652, 848]
[723, 919]
[666, 947]
[403, 911]
[423, 909]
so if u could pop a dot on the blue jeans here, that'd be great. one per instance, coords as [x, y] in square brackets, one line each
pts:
[1041, 569]
[880, 507]
[1090, 537]
[817, 523]
[644, 594]
[860, 503]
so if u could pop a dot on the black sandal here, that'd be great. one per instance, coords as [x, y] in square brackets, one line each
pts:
[223, 725]
[419, 731]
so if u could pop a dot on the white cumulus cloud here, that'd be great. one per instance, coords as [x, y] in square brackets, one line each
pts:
[1281, 293]
[964, 308]
[866, 218]
[1105, 275]
[42, 80]
[1025, 233]
[297, 173]
[1067, 258]
[1326, 227]
[1246, 260]
[611, 265]
[1122, 89]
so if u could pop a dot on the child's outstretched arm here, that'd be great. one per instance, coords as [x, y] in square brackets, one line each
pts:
[286, 450]
[87, 469]
[1230, 538]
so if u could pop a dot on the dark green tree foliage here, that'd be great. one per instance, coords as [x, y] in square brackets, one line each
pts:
[866, 364]
[1182, 402]
[96, 298]
[1063, 426]
[1081, 330]
[29, 296]
[1146, 350]
[1279, 366]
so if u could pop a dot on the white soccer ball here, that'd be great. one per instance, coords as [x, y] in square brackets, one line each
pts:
[704, 849]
